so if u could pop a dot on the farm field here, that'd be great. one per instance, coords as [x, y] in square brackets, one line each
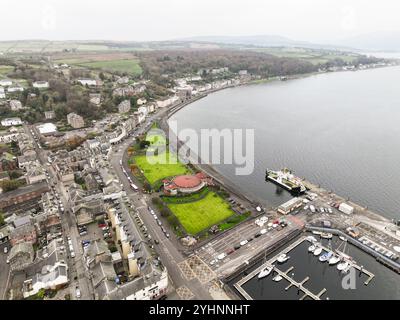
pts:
[312, 56]
[202, 214]
[129, 66]
[4, 70]
[112, 62]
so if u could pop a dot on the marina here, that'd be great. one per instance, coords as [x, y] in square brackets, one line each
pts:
[304, 285]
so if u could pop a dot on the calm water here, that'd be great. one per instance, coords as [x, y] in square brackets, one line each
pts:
[340, 130]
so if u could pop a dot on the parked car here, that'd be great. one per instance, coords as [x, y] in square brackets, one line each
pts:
[5, 250]
[244, 242]
[156, 241]
[78, 292]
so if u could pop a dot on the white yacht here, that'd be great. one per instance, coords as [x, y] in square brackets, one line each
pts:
[326, 235]
[333, 260]
[311, 248]
[343, 265]
[326, 256]
[265, 272]
[317, 251]
[283, 258]
[311, 239]
[277, 278]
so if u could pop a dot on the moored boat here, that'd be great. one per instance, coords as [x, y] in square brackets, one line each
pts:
[282, 258]
[326, 256]
[317, 251]
[265, 271]
[311, 248]
[333, 260]
[287, 180]
[277, 278]
[311, 239]
[326, 235]
[342, 266]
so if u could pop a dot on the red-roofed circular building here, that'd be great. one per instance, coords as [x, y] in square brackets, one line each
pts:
[184, 184]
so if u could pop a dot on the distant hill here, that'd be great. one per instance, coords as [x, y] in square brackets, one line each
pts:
[263, 41]
[377, 41]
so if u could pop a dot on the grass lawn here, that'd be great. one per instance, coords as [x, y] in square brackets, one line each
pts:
[200, 215]
[157, 171]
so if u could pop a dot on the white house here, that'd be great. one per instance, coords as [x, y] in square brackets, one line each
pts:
[47, 128]
[139, 117]
[5, 83]
[141, 101]
[143, 110]
[15, 89]
[15, 105]
[167, 102]
[9, 122]
[41, 84]
[8, 137]
[88, 82]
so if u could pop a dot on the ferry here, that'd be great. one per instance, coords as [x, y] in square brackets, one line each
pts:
[285, 179]
[265, 272]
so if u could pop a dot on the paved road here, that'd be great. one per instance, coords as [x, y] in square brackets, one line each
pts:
[4, 272]
[76, 267]
[170, 256]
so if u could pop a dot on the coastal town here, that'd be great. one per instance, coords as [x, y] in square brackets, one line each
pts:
[84, 214]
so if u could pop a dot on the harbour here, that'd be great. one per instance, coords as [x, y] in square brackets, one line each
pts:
[376, 266]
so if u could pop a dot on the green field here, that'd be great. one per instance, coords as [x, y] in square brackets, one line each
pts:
[200, 215]
[158, 171]
[310, 55]
[130, 66]
[4, 70]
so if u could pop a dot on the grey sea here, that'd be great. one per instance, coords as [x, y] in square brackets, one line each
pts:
[340, 130]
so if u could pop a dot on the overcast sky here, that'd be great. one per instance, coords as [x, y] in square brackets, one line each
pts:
[311, 20]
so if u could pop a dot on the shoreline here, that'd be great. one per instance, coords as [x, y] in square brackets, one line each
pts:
[226, 182]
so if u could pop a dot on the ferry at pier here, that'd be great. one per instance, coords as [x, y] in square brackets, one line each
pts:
[285, 179]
